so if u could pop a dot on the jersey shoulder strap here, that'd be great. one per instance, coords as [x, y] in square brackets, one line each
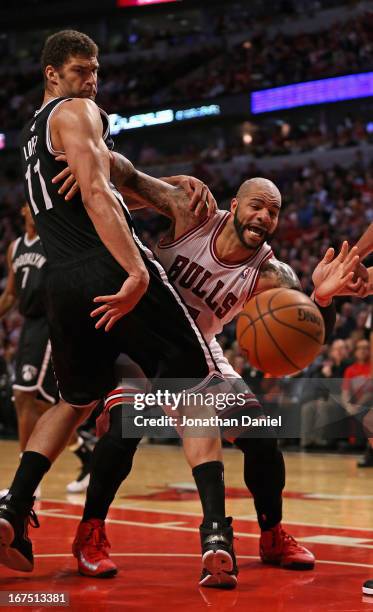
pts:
[105, 128]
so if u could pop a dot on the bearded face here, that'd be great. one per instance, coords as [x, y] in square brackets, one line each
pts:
[254, 223]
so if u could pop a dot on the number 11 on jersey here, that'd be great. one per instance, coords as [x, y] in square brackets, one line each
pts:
[47, 200]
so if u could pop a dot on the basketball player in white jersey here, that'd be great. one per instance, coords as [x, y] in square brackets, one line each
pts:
[217, 264]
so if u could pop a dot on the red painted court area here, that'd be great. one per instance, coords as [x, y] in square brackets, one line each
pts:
[159, 562]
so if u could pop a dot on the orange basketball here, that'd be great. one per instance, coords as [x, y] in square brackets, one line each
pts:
[280, 331]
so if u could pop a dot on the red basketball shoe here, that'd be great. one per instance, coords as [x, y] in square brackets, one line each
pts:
[277, 547]
[91, 548]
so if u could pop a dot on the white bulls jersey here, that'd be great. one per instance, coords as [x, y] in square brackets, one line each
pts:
[214, 291]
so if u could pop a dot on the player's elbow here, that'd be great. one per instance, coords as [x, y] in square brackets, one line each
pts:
[93, 194]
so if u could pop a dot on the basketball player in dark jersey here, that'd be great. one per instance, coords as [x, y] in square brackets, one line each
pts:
[34, 387]
[96, 261]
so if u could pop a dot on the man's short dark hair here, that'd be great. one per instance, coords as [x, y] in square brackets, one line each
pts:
[62, 45]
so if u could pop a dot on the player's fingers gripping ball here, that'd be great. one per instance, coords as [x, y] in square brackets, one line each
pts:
[280, 331]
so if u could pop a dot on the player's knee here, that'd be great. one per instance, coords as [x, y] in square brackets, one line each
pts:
[202, 450]
[258, 448]
[112, 450]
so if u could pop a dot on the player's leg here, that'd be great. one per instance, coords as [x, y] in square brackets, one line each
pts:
[367, 459]
[264, 475]
[166, 346]
[28, 410]
[184, 361]
[48, 439]
[47, 388]
[83, 452]
[219, 568]
[111, 464]
[33, 356]
[32, 359]
[204, 456]
[83, 361]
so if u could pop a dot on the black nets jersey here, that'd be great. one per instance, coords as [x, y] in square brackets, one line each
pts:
[29, 267]
[64, 227]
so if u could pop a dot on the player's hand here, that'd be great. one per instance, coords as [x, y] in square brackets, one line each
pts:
[365, 277]
[201, 199]
[361, 272]
[334, 274]
[69, 186]
[114, 307]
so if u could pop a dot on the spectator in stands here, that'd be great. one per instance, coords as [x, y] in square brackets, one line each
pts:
[347, 323]
[321, 406]
[355, 389]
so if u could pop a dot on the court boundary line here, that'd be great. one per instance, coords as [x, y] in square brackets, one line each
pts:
[193, 530]
[249, 518]
[194, 556]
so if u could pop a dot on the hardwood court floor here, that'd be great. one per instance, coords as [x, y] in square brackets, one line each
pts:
[153, 529]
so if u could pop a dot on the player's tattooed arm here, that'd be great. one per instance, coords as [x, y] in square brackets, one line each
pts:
[202, 202]
[274, 274]
[140, 190]
[185, 200]
[169, 198]
[8, 297]
[199, 202]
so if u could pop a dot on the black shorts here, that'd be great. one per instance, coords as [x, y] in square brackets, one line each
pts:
[34, 370]
[158, 333]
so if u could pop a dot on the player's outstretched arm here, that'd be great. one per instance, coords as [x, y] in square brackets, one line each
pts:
[9, 296]
[76, 128]
[365, 244]
[331, 276]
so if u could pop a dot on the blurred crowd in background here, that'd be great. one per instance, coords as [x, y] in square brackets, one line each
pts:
[198, 56]
[206, 54]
